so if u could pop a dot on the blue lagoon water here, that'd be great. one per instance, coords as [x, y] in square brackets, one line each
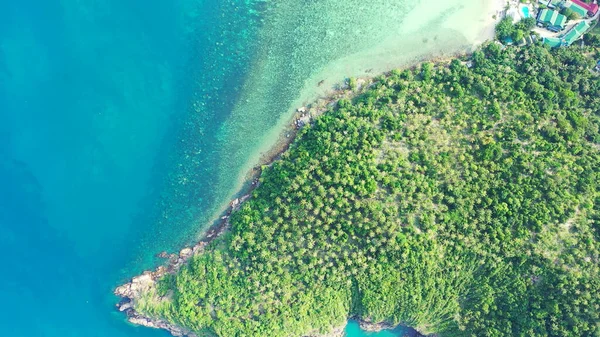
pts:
[125, 127]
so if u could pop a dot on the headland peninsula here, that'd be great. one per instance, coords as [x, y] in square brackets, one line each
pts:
[458, 197]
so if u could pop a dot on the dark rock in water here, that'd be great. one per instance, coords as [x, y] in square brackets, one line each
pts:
[369, 326]
[125, 306]
[159, 324]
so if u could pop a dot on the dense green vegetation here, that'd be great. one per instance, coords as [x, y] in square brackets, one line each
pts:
[592, 37]
[457, 200]
[506, 29]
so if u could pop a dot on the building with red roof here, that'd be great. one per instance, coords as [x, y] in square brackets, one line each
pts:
[592, 9]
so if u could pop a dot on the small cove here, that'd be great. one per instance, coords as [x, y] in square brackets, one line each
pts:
[353, 330]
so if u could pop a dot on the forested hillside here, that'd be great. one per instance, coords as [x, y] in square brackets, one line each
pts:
[457, 200]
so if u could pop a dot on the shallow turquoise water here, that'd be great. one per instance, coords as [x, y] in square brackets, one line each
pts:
[353, 330]
[125, 125]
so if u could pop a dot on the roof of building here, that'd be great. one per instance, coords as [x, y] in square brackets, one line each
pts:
[576, 32]
[592, 9]
[552, 41]
[577, 8]
[552, 18]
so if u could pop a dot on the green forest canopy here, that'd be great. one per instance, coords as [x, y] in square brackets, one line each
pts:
[460, 201]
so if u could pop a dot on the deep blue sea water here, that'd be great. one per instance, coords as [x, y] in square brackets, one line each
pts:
[98, 110]
[89, 95]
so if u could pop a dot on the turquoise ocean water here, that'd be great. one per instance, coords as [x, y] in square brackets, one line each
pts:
[125, 126]
[94, 102]
[353, 330]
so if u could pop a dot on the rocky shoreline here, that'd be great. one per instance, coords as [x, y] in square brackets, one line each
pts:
[369, 326]
[132, 290]
[128, 292]
[373, 327]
